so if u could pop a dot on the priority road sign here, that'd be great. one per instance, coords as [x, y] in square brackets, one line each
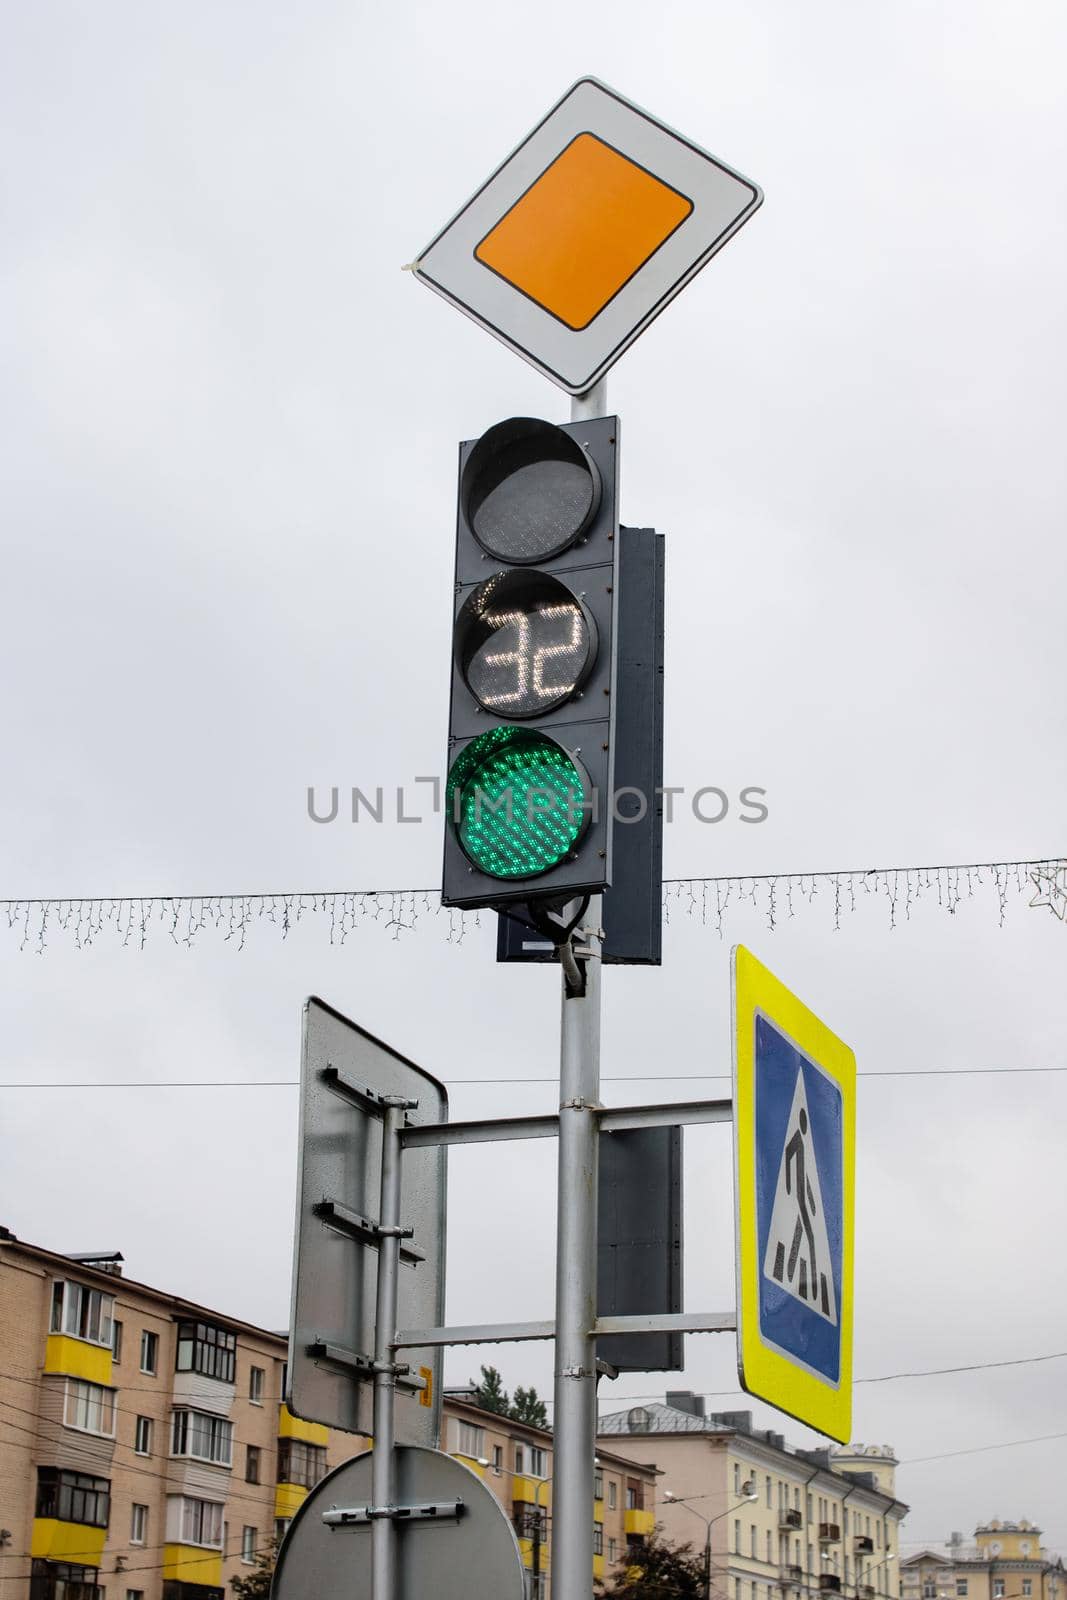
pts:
[581, 237]
[794, 1122]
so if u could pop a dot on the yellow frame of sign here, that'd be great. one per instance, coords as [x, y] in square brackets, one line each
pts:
[766, 1369]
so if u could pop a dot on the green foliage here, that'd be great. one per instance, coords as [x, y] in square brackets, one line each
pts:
[490, 1394]
[659, 1571]
[528, 1408]
[256, 1586]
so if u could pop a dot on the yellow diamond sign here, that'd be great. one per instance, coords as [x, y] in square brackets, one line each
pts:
[585, 233]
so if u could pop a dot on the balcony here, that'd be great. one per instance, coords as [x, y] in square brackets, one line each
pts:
[640, 1523]
[829, 1533]
[829, 1583]
[789, 1519]
[865, 1591]
[863, 1544]
[789, 1576]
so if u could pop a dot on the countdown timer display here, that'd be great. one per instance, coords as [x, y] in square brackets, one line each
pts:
[525, 643]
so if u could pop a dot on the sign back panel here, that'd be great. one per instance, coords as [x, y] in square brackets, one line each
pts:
[794, 1120]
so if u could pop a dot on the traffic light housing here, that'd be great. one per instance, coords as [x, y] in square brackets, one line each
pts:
[528, 810]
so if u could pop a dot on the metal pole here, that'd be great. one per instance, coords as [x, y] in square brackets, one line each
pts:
[707, 1564]
[384, 1578]
[574, 1424]
[575, 1375]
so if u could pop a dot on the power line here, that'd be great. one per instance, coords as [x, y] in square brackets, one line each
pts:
[455, 1083]
[979, 1449]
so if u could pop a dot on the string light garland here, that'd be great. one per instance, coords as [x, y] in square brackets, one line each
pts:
[35, 924]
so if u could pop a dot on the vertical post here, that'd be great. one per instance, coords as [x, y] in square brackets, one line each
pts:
[707, 1564]
[384, 1581]
[574, 1421]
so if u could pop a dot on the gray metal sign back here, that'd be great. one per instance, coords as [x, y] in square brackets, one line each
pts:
[454, 1540]
[345, 1075]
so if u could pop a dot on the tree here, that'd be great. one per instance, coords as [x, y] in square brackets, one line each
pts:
[256, 1586]
[658, 1571]
[490, 1394]
[528, 1408]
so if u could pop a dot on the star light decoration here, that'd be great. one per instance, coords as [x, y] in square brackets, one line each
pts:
[1051, 885]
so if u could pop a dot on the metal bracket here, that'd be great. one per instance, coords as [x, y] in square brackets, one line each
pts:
[361, 1516]
[363, 1368]
[581, 1104]
[368, 1100]
[344, 1220]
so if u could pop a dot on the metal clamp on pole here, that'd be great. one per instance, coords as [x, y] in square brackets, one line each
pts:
[361, 1516]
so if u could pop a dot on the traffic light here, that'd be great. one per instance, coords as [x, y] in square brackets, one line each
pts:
[528, 810]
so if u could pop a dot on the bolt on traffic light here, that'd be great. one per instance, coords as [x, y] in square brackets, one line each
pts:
[528, 795]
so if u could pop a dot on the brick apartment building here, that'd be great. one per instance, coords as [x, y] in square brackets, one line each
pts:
[146, 1452]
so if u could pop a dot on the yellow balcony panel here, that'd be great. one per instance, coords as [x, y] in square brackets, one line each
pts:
[190, 1563]
[290, 1427]
[470, 1461]
[526, 1551]
[532, 1491]
[52, 1540]
[639, 1522]
[77, 1359]
[288, 1498]
[598, 1511]
[598, 1566]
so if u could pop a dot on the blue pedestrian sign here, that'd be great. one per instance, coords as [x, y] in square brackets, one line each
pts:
[794, 1117]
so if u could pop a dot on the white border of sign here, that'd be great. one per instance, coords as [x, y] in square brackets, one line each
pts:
[722, 199]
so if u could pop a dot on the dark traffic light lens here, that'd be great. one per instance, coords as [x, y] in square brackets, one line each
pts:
[525, 643]
[518, 802]
[528, 490]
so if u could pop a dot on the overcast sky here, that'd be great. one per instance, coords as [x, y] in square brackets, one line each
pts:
[229, 426]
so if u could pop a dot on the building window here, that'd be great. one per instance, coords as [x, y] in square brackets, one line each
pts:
[470, 1440]
[82, 1313]
[194, 1521]
[613, 1550]
[539, 1462]
[202, 1436]
[73, 1497]
[281, 1528]
[300, 1463]
[809, 1507]
[613, 1494]
[737, 1477]
[116, 1342]
[598, 1538]
[149, 1352]
[142, 1436]
[255, 1385]
[1028, 1587]
[138, 1524]
[248, 1544]
[929, 1589]
[768, 1545]
[598, 1484]
[520, 1459]
[206, 1349]
[998, 1589]
[767, 1482]
[90, 1407]
[752, 1541]
[63, 1580]
[961, 1588]
[498, 1459]
[252, 1464]
[737, 1538]
[134, 1594]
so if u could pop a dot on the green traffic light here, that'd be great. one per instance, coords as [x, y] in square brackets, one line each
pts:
[518, 802]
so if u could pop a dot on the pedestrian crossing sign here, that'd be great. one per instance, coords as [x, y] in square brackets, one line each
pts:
[795, 1142]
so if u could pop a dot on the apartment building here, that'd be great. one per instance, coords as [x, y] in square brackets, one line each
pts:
[772, 1522]
[145, 1451]
[515, 1461]
[1007, 1561]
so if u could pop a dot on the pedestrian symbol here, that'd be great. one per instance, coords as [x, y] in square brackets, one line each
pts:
[794, 1122]
[798, 1248]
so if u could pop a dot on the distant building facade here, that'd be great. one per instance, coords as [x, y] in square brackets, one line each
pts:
[782, 1524]
[1007, 1561]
